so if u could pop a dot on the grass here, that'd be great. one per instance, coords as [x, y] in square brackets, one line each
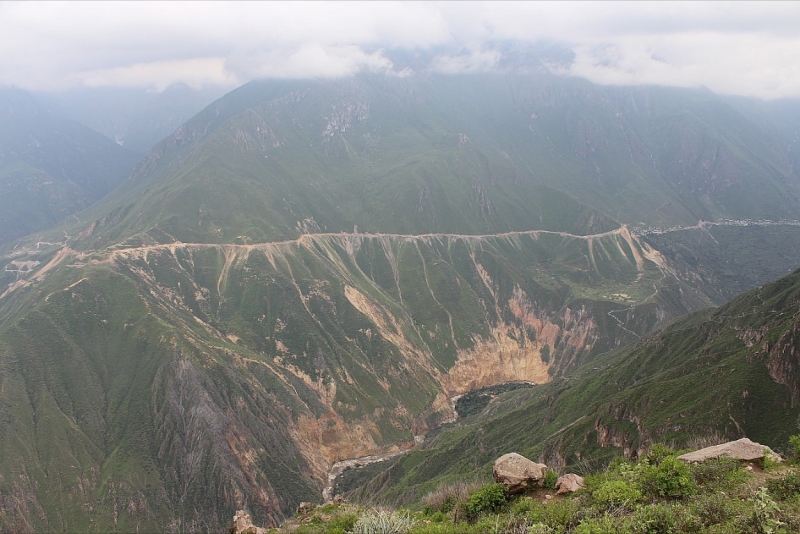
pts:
[725, 498]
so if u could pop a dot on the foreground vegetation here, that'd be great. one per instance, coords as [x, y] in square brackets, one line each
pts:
[653, 495]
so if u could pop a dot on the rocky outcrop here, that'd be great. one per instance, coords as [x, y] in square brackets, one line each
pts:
[741, 449]
[517, 473]
[242, 524]
[569, 483]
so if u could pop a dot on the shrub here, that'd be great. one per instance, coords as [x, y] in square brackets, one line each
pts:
[488, 499]
[344, 522]
[794, 444]
[717, 471]
[539, 528]
[671, 478]
[437, 517]
[519, 525]
[785, 487]
[713, 509]
[617, 493]
[602, 525]
[661, 518]
[629, 472]
[545, 353]
[445, 497]
[524, 505]
[770, 463]
[764, 518]
[383, 522]
[562, 515]
[658, 453]
[550, 479]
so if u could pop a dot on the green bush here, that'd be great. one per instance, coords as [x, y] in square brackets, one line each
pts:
[545, 353]
[606, 524]
[658, 453]
[538, 528]
[617, 493]
[794, 444]
[344, 522]
[671, 478]
[562, 515]
[488, 499]
[785, 487]
[662, 518]
[764, 518]
[437, 517]
[718, 471]
[713, 509]
[550, 479]
[524, 505]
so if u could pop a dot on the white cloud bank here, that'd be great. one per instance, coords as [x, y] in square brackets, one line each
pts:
[747, 48]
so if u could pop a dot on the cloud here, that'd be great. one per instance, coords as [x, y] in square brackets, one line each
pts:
[745, 64]
[310, 60]
[196, 73]
[731, 47]
[467, 62]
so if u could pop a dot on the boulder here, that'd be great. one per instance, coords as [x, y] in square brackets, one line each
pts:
[569, 483]
[517, 473]
[741, 449]
[242, 524]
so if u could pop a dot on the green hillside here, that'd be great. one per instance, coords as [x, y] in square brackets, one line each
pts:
[307, 272]
[727, 372]
[185, 381]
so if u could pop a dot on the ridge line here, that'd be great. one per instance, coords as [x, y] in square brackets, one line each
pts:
[362, 235]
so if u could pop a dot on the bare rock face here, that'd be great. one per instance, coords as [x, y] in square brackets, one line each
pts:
[517, 473]
[569, 483]
[741, 449]
[242, 524]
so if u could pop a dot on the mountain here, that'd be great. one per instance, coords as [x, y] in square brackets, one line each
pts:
[780, 118]
[50, 168]
[134, 118]
[728, 372]
[309, 271]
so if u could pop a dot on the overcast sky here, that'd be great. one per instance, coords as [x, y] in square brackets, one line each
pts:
[746, 48]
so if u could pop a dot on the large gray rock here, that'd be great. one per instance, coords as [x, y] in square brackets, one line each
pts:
[741, 449]
[517, 473]
[569, 483]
